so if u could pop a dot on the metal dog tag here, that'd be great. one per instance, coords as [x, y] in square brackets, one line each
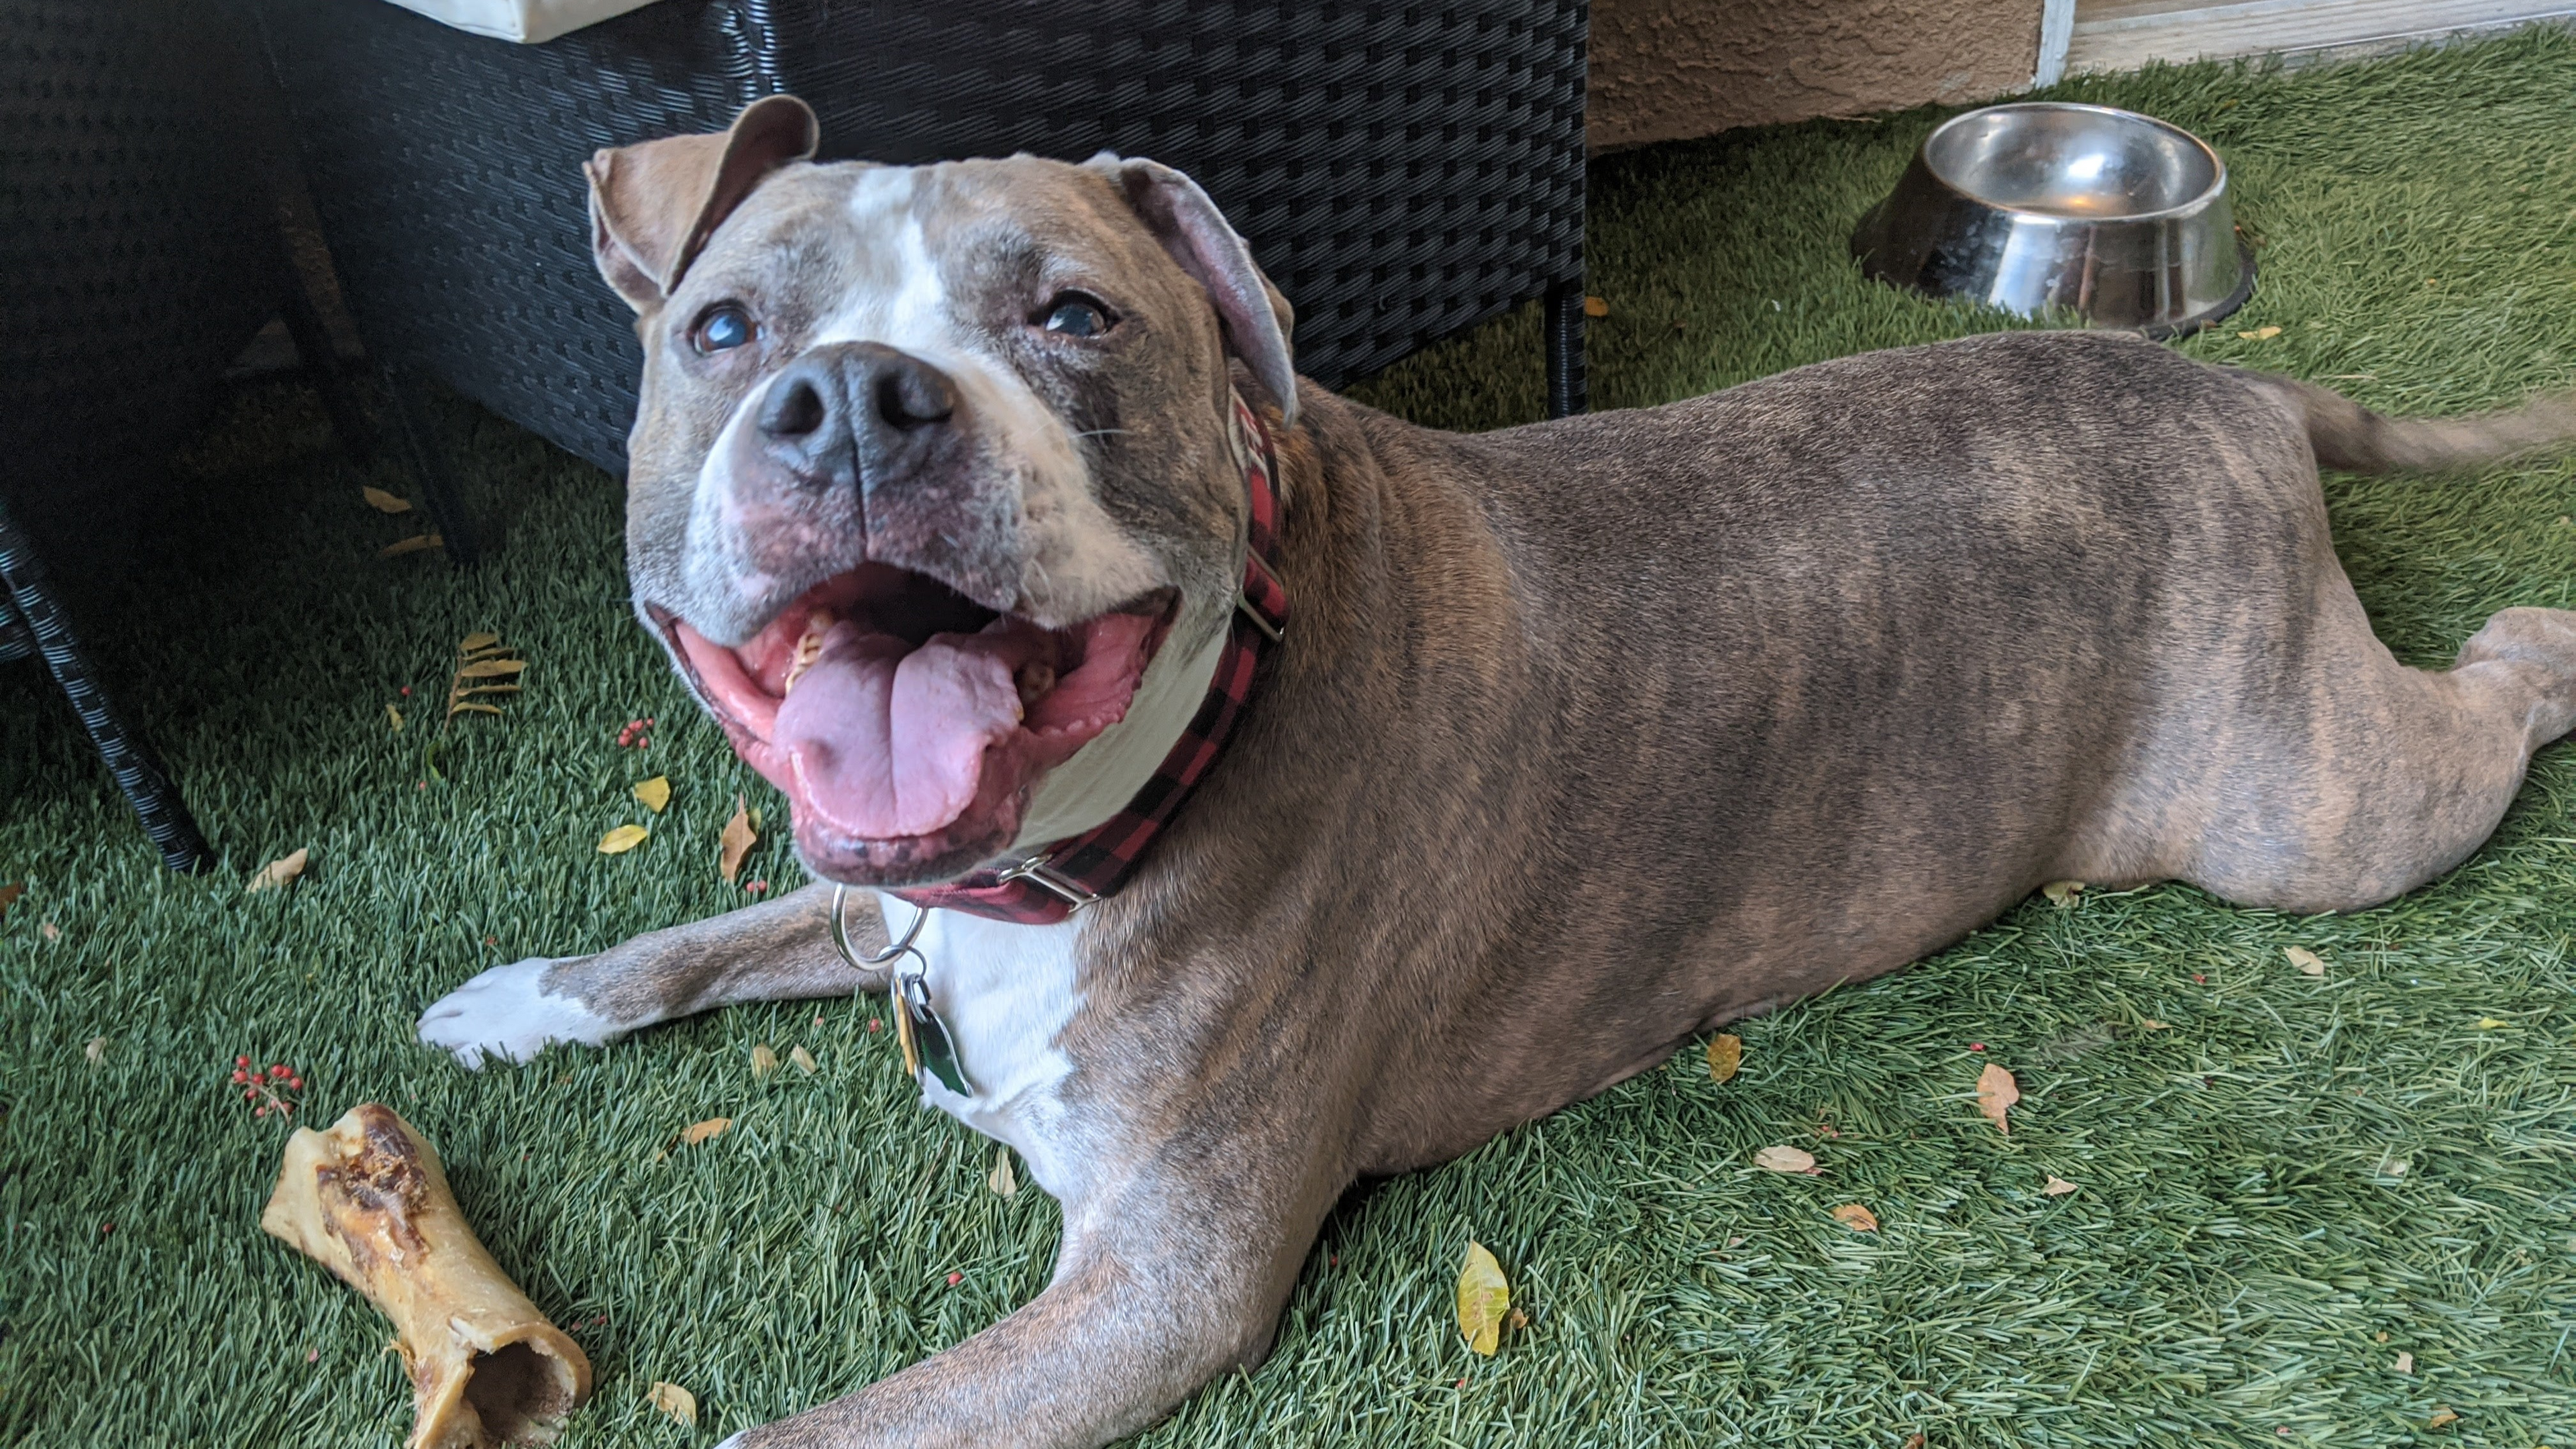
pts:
[924, 1037]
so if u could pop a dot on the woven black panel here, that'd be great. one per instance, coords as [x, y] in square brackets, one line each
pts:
[132, 244]
[1402, 171]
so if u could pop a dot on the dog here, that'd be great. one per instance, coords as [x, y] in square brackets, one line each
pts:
[1232, 776]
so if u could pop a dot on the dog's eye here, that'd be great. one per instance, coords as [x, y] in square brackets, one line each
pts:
[724, 327]
[1075, 315]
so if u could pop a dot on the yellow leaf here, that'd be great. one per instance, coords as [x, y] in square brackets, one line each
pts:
[2057, 1186]
[2261, 334]
[623, 839]
[1725, 1056]
[655, 793]
[2442, 1419]
[2489, 1023]
[462, 706]
[1857, 1218]
[395, 715]
[414, 544]
[677, 1402]
[763, 1061]
[697, 1132]
[2151, 1024]
[738, 838]
[804, 1061]
[1996, 1094]
[2062, 892]
[281, 871]
[1596, 306]
[2305, 960]
[1483, 1298]
[1785, 1159]
[1001, 1179]
[491, 668]
[383, 502]
[479, 639]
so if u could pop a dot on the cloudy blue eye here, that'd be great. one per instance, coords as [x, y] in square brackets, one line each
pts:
[1076, 316]
[724, 327]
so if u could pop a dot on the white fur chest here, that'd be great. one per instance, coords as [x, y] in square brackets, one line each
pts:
[1006, 992]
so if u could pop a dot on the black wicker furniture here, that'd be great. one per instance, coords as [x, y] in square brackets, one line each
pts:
[1402, 170]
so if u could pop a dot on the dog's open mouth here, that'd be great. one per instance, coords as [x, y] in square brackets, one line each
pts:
[907, 723]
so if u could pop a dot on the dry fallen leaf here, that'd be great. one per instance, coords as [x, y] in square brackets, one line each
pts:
[2442, 1419]
[1483, 1298]
[2406, 1363]
[2057, 1186]
[2062, 892]
[1913, 1441]
[2391, 1167]
[2489, 1023]
[677, 1402]
[2261, 334]
[804, 1061]
[623, 839]
[697, 1132]
[1784, 1159]
[2306, 960]
[1594, 307]
[491, 668]
[51, 932]
[479, 639]
[2151, 1024]
[738, 839]
[1996, 1094]
[1001, 1179]
[763, 1060]
[1725, 1056]
[395, 715]
[97, 1048]
[1857, 1218]
[281, 871]
[414, 544]
[655, 793]
[9, 896]
[383, 502]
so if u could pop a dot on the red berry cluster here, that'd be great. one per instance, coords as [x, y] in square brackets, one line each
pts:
[266, 1091]
[632, 737]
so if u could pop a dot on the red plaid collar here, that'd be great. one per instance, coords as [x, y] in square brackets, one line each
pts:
[1062, 878]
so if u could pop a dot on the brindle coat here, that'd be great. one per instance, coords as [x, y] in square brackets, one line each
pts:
[1582, 732]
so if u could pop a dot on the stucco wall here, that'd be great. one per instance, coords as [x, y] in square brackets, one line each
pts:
[1664, 69]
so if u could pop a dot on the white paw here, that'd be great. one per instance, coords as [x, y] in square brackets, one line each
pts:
[505, 1012]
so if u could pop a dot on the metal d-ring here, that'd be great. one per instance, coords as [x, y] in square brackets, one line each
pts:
[924, 1038]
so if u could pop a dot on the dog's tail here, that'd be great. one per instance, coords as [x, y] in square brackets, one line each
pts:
[2347, 436]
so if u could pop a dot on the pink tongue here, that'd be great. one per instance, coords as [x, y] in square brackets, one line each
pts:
[885, 740]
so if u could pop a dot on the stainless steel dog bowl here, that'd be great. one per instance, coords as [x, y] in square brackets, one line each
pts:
[2120, 218]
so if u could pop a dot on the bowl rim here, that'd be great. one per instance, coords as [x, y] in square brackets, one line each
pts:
[2216, 188]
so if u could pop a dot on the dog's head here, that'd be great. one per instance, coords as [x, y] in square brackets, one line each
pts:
[933, 480]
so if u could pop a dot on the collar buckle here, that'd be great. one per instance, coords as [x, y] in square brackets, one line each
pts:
[1036, 871]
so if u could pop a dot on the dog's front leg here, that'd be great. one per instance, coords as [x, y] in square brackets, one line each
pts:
[1180, 1279]
[779, 950]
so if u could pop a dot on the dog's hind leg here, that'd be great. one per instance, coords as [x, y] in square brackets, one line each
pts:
[779, 950]
[2380, 777]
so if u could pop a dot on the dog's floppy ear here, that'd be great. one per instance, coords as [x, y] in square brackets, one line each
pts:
[653, 205]
[1258, 320]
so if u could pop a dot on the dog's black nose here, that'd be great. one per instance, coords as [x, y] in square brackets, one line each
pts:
[855, 414]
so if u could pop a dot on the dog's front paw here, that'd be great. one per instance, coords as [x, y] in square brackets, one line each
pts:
[506, 1012]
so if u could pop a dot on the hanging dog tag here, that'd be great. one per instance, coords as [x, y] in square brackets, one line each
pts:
[924, 1037]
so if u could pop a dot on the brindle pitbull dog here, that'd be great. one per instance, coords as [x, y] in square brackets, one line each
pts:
[1575, 733]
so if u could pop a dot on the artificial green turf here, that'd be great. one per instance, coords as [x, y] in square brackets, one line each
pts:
[2239, 1261]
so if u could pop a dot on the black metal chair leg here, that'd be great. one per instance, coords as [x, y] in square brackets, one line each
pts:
[129, 762]
[1565, 382]
[322, 364]
[429, 464]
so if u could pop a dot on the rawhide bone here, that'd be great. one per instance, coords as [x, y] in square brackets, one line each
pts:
[368, 1201]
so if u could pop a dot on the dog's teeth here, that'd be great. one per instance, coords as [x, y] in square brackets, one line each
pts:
[1035, 679]
[809, 647]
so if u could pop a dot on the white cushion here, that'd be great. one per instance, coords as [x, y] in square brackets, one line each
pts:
[525, 21]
